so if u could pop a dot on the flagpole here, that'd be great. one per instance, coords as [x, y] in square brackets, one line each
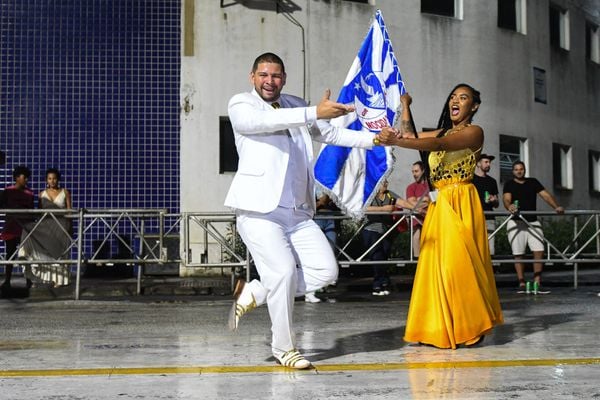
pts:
[422, 154]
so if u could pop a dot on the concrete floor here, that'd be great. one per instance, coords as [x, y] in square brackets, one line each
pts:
[179, 348]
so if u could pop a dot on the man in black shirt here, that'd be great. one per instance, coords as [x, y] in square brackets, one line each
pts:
[520, 193]
[487, 188]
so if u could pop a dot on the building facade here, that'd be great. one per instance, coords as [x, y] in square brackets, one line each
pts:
[536, 64]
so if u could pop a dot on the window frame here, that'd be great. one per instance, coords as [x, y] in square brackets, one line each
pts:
[592, 42]
[506, 158]
[594, 172]
[228, 156]
[563, 42]
[457, 13]
[562, 166]
[520, 16]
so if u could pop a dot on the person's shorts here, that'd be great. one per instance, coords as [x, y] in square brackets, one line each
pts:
[520, 235]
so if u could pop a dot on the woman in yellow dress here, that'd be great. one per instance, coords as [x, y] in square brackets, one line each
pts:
[454, 300]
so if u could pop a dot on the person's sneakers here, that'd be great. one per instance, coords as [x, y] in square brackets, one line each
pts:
[293, 359]
[538, 289]
[541, 290]
[310, 297]
[243, 302]
[380, 292]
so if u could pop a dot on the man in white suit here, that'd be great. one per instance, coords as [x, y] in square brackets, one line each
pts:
[273, 195]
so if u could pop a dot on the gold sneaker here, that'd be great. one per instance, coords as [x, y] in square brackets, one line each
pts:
[293, 359]
[243, 302]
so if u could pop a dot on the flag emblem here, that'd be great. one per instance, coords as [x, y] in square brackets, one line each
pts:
[373, 85]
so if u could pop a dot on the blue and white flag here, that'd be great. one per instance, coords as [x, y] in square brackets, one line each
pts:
[352, 176]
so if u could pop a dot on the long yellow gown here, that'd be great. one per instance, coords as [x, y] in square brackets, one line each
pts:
[454, 298]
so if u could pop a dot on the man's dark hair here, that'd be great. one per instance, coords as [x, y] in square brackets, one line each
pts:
[517, 163]
[268, 58]
[21, 170]
[420, 164]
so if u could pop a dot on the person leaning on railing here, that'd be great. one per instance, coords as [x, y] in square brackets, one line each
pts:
[51, 237]
[520, 194]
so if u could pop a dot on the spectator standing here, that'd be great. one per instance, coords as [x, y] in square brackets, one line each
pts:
[377, 225]
[417, 192]
[52, 236]
[487, 188]
[520, 194]
[15, 196]
[329, 226]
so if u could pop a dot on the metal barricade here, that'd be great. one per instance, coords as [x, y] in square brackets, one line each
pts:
[210, 239]
[214, 227]
[99, 225]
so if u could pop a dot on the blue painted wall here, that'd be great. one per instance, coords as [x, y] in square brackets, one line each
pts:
[92, 88]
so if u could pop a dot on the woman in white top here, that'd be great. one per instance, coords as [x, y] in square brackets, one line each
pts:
[51, 239]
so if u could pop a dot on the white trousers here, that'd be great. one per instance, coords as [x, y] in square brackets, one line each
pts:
[292, 257]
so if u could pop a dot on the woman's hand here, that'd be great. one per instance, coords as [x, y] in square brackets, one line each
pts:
[388, 135]
[406, 100]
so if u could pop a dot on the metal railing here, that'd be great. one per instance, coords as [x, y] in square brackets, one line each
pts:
[99, 226]
[210, 240]
[572, 253]
[578, 251]
[221, 228]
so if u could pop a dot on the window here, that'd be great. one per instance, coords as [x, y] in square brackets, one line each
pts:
[512, 15]
[562, 166]
[447, 8]
[512, 148]
[228, 156]
[594, 162]
[592, 42]
[559, 27]
[539, 85]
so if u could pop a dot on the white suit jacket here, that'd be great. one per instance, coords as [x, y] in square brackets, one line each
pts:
[263, 146]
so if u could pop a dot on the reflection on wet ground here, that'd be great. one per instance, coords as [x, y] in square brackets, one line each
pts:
[179, 348]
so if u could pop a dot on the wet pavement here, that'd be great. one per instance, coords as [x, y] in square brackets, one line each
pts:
[178, 347]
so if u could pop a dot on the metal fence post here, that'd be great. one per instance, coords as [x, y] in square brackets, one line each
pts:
[138, 289]
[79, 252]
[575, 265]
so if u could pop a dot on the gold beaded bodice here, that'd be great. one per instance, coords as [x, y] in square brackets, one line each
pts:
[450, 167]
